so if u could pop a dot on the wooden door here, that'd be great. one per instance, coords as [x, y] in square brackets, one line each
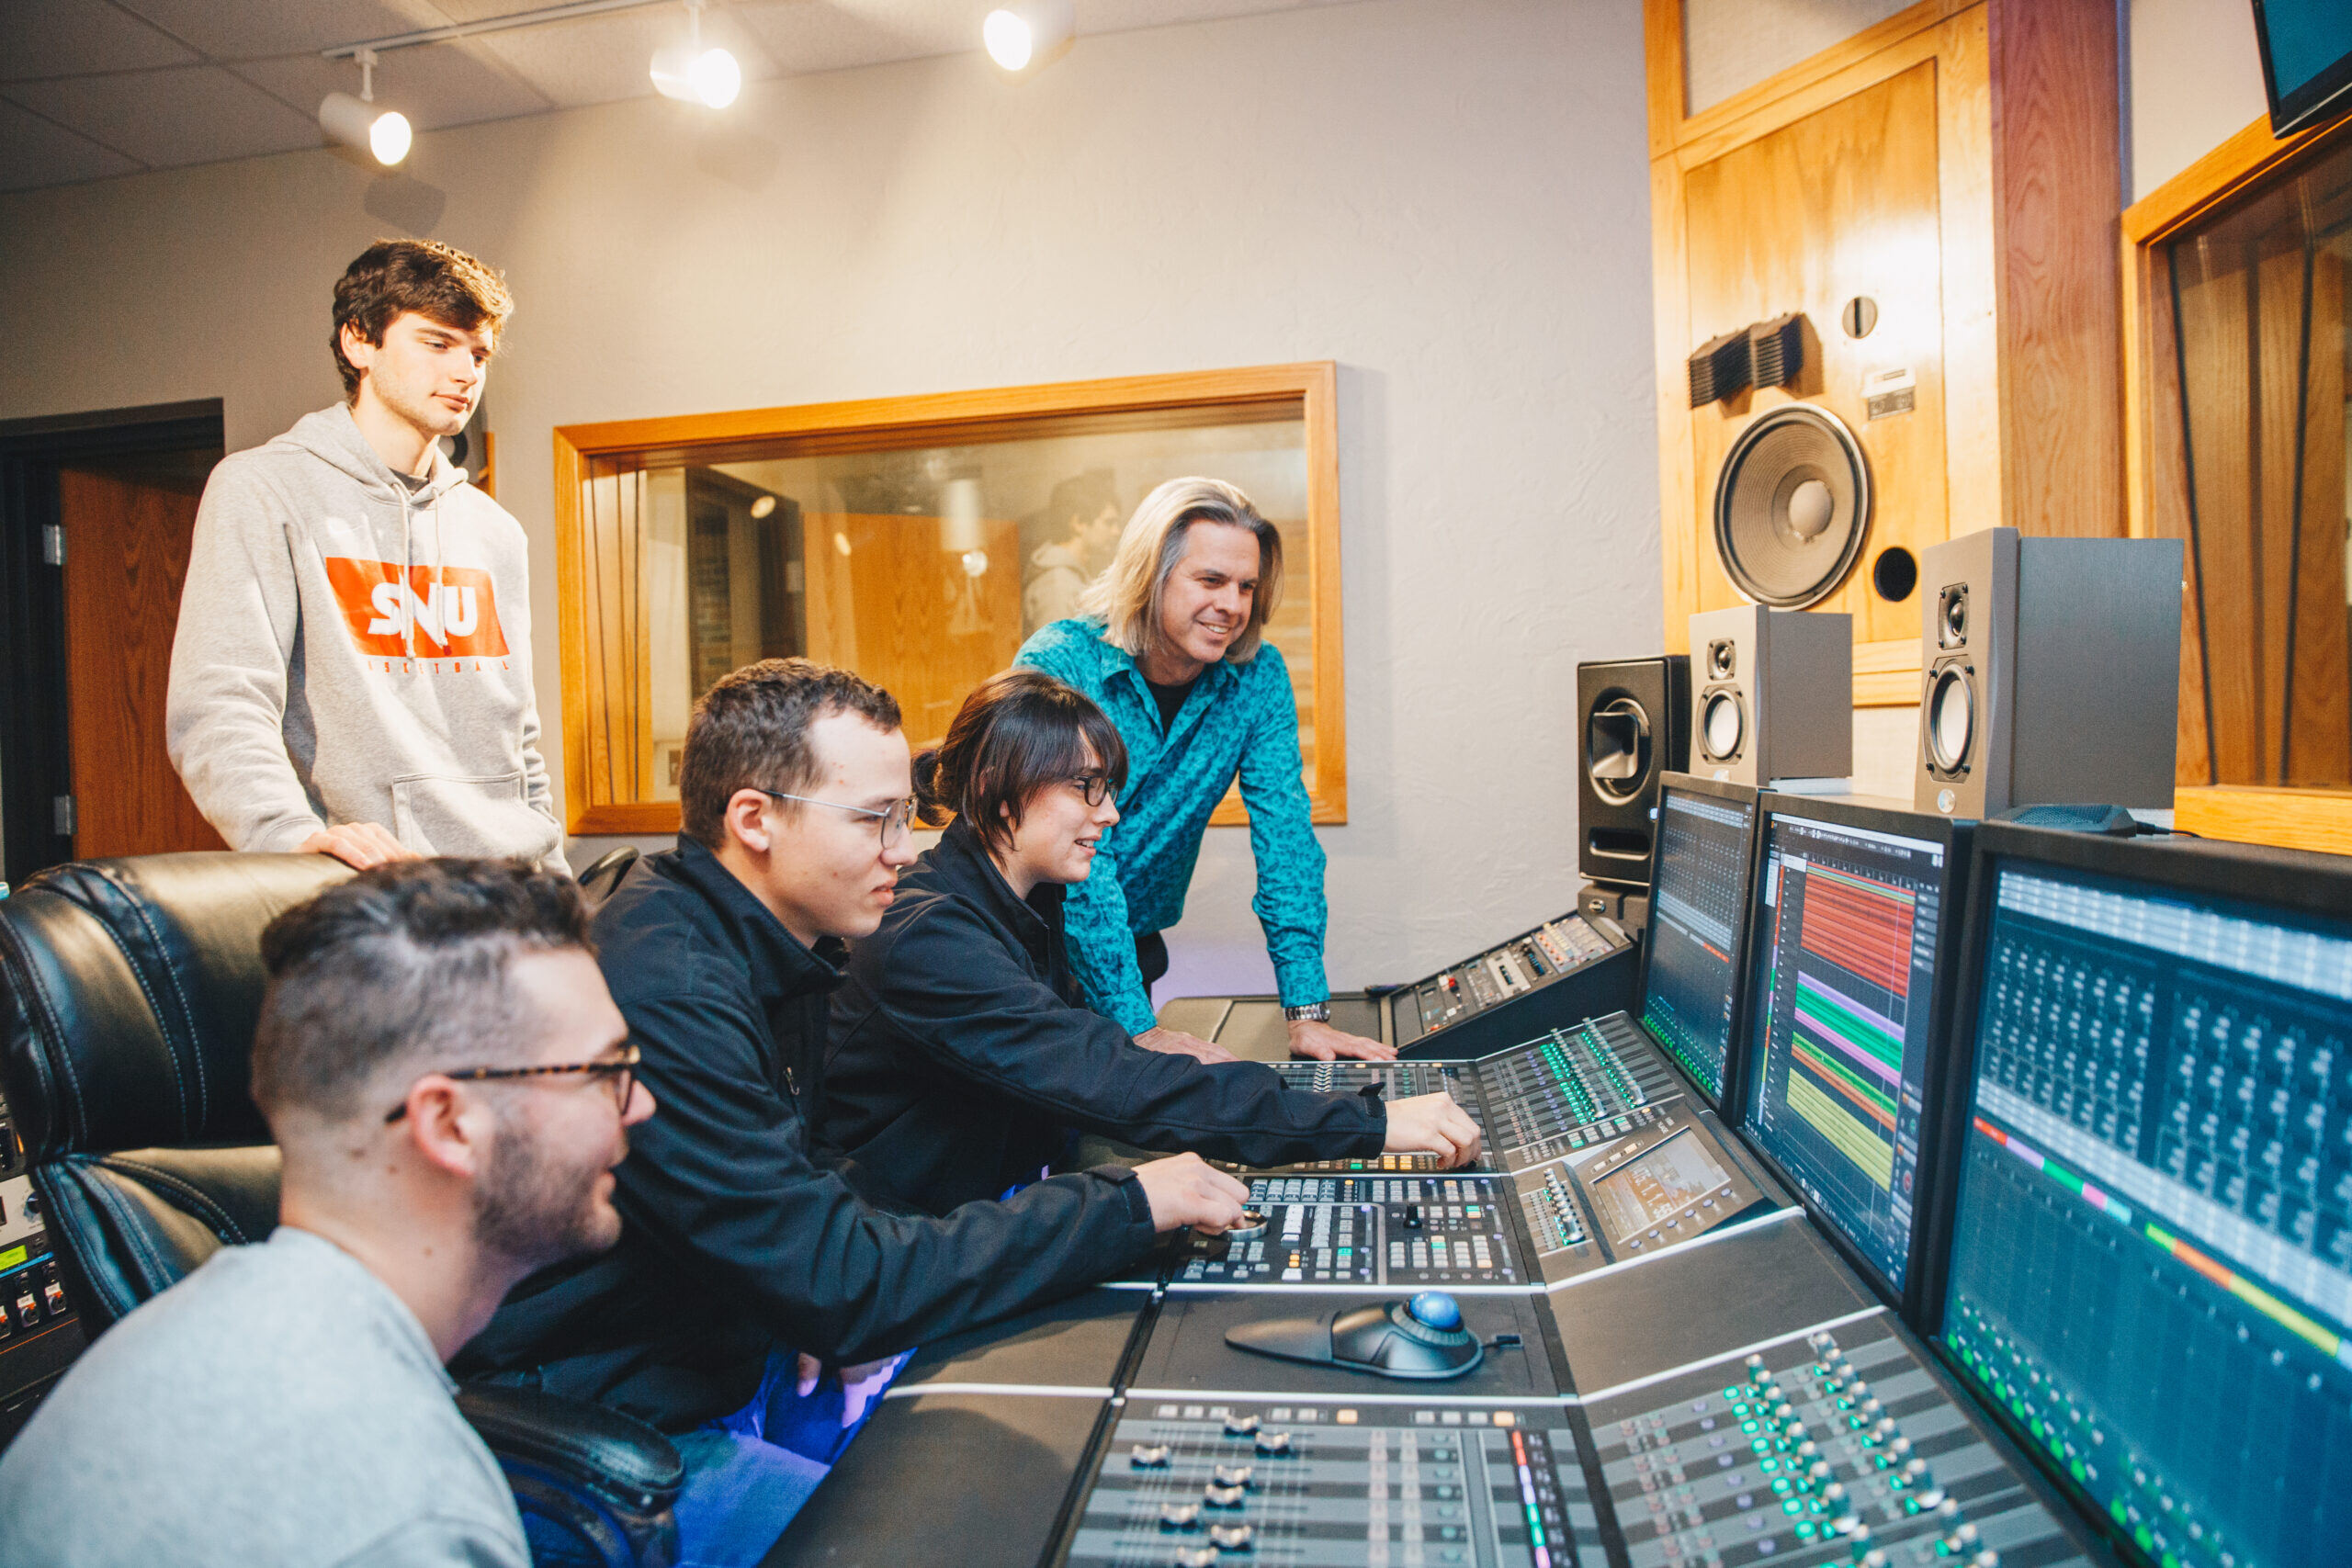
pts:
[127, 527]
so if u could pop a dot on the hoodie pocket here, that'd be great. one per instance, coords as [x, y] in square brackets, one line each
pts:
[437, 816]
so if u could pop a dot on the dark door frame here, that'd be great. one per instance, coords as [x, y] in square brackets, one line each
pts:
[36, 754]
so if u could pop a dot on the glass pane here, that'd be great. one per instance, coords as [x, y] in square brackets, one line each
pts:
[2259, 300]
[921, 568]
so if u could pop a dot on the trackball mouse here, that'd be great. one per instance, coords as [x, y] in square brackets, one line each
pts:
[1419, 1338]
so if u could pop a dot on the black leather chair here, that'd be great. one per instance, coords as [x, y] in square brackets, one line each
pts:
[129, 994]
[599, 880]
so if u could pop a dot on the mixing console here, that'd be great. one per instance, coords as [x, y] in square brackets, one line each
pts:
[1418, 1230]
[1836, 1448]
[1383, 1484]
[1503, 973]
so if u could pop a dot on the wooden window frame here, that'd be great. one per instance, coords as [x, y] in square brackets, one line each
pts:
[948, 419]
[2155, 475]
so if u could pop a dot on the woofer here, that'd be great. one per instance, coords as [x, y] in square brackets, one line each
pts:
[1950, 719]
[1793, 506]
[1723, 724]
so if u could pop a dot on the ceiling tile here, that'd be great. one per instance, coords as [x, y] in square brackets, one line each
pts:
[435, 85]
[1125, 16]
[34, 152]
[248, 30]
[830, 35]
[196, 114]
[72, 37]
[598, 60]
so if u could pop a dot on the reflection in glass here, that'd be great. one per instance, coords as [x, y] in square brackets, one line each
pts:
[921, 568]
[2258, 296]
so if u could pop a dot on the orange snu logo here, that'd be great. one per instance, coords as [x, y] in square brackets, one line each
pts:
[453, 615]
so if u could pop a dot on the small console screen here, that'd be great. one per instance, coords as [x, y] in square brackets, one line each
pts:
[1698, 918]
[1657, 1185]
[1849, 919]
[2152, 1249]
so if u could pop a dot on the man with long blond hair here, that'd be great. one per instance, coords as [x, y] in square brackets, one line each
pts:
[1170, 643]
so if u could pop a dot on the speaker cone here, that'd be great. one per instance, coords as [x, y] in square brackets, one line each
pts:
[1793, 506]
[1723, 724]
[1617, 749]
[1951, 719]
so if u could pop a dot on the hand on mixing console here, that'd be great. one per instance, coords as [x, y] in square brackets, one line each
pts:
[1431, 1123]
[861, 1386]
[1187, 1191]
[359, 845]
[1176, 1042]
[1319, 1042]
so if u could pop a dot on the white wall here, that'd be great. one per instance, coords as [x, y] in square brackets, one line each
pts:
[1448, 197]
[2195, 80]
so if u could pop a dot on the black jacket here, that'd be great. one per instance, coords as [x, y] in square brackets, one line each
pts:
[962, 1050]
[732, 1241]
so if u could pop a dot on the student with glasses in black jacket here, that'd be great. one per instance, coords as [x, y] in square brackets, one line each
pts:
[962, 1052]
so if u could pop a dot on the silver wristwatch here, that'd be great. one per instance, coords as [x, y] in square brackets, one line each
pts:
[1317, 1012]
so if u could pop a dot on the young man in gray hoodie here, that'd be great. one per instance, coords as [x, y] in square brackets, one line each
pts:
[352, 672]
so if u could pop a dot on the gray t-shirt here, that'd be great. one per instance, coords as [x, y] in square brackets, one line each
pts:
[279, 1406]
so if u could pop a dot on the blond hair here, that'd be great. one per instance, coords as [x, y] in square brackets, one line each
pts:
[1125, 598]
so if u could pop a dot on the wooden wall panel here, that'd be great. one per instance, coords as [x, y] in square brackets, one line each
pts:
[2320, 708]
[126, 557]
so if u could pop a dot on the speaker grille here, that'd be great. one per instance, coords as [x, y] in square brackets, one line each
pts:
[1793, 506]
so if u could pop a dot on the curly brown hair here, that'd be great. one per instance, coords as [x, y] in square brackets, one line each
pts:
[437, 281]
[751, 731]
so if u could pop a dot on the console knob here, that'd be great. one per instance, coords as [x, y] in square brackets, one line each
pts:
[1900, 1447]
[1872, 1407]
[1273, 1442]
[1230, 1537]
[1835, 1495]
[1196, 1557]
[1218, 1496]
[1179, 1515]
[1233, 1475]
[1149, 1456]
[1435, 1309]
[1241, 1426]
[1916, 1469]
[1820, 1471]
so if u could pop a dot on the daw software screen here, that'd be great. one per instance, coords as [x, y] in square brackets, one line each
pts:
[1845, 966]
[2152, 1256]
[1697, 917]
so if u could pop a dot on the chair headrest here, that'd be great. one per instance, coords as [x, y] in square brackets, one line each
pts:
[129, 994]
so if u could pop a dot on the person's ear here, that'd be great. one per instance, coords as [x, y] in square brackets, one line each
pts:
[356, 346]
[448, 1127]
[746, 821]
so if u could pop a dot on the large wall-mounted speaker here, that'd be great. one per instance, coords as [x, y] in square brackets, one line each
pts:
[1634, 717]
[1793, 506]
[2051, 672]
[1772, 695]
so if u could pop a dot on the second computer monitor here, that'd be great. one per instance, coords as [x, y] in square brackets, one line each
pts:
[1691, 969]
[1848, 981]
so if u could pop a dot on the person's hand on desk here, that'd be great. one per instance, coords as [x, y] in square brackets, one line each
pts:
[861, 1386]
[1185, 1189]
[1176, 1042]
[1319, 1041]
[1431, 1123]
[359, 845]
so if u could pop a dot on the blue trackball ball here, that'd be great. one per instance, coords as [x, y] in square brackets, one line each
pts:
[1435, 1309]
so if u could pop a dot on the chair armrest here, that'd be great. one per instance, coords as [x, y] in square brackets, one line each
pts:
[599, 1477]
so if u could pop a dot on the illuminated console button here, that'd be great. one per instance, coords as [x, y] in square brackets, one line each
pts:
[1148, 1456]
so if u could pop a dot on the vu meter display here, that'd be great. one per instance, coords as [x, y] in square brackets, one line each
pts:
[2151, 1250]
[1698, 918]
[1845, 965]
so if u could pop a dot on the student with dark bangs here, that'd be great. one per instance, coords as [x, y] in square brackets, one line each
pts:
[962, 1054]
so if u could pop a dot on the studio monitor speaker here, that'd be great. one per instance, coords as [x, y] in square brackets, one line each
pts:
[1793, 506]
[1634, 716]
[2051, 672]
[1772, 695]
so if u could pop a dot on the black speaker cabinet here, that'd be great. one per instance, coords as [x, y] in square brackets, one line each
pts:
[1772, 695]
[1635, 715]
[2051, 672]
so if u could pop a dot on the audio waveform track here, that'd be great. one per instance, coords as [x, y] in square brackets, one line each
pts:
[1864, 927]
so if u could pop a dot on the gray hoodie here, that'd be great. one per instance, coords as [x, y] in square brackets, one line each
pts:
[350, 651]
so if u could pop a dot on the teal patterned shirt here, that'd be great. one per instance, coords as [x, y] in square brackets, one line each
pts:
[1237, 719]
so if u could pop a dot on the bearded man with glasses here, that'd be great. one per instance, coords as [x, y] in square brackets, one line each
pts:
[744, 1260]
[286, 1404]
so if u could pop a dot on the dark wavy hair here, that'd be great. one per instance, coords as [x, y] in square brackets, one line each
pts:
[1018, 733]
[751, 731]
[438, 282]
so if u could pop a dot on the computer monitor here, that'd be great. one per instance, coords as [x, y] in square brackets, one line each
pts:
[1850, 981]
[1691, 964]
[2150, 1273]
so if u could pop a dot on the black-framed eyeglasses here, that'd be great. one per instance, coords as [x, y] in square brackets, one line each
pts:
[1095, 788]
[891, 822]
[620, 1069]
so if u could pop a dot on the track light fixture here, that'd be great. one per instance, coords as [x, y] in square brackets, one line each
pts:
[695, 74]
[382, 134]
[1030, 34]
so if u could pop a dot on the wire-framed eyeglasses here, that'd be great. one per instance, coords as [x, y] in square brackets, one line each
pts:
[891, 821]
[620, 1069]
